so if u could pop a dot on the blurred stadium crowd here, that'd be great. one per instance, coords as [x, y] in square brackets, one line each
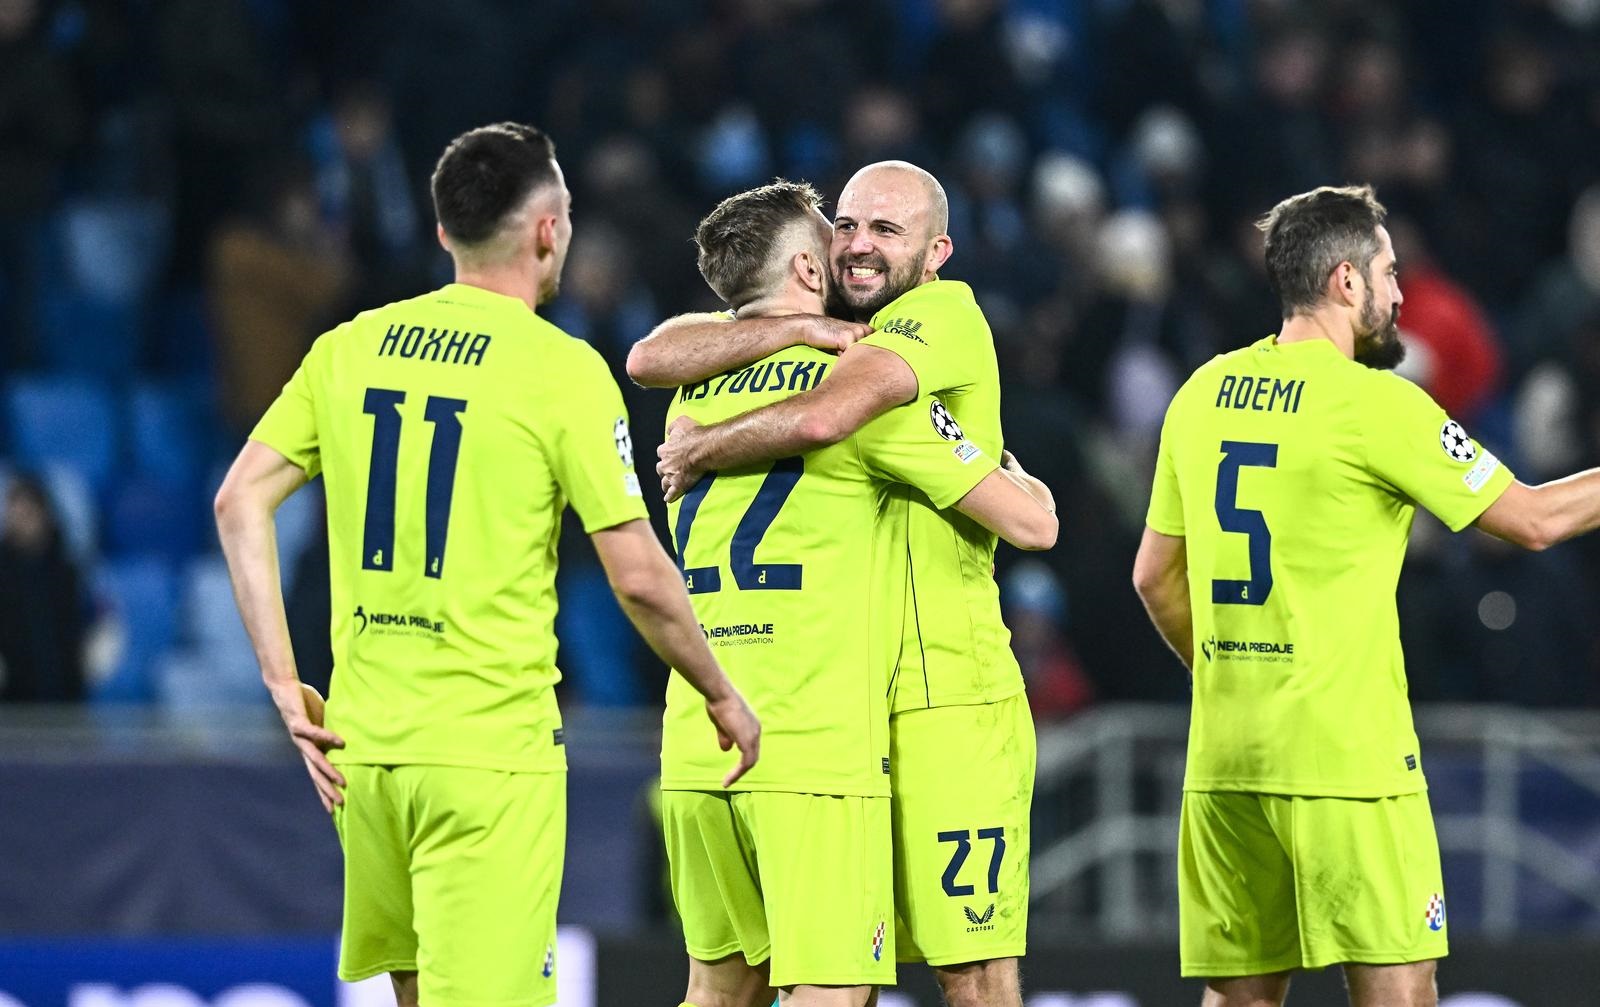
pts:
[194, 189]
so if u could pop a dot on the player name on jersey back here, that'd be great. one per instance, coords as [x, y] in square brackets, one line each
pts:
[445, 346]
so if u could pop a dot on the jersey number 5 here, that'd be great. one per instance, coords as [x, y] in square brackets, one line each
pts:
[377, 538]
[752, 528]
[1236, 455]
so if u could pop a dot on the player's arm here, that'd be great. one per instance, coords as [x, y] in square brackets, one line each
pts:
[1161, 577]
[694, 347]
[866, 382]
[258, 482]
[1538, 517]
[1015, 506]
[650, 590]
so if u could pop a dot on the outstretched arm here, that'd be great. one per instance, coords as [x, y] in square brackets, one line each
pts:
[689, 348]
[1538, 517]
[866, 382]
[1161, 576]
[259, 481]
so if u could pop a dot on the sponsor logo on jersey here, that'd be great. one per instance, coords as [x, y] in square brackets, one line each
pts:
[1246, 650]
[877, 941]
[1456, 443]
[943, 422]
[396, 623]
[740, 633]
[979, 921]
[1435, 912]
[905, 327]
[966, 451]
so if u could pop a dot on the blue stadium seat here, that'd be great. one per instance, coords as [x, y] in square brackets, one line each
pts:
[155, 515]
[71, 421]
[168, 430]
[142, 597]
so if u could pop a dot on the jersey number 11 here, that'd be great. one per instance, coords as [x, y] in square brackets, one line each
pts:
[377, 539]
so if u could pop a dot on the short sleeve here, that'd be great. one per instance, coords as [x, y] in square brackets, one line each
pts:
[591, 449]
[289, 425]
[921, 445]
[936, 338]
[1420, 451]
[1166, 503]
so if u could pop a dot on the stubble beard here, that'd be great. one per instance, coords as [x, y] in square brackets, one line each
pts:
[1378, 343]
[897, 281]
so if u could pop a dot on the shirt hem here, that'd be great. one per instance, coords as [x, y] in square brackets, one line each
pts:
[1287, 789]
[690, 783]
[961, 700]
[453, 761]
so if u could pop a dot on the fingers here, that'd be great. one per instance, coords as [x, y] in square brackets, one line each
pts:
[747, 758]
[319, 736]
[315, 758]
[724, 739]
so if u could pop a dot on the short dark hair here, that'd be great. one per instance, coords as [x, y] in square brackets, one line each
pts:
[737, 239]
[1310, 234]
[486, 174]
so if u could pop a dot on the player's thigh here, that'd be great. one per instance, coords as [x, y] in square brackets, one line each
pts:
[712, 869]
[728, 982]
[1367, 878]
[374, 830]
[963, 792]
[827, 883]
[1408, 985]
[487, 859]
[1236, 889]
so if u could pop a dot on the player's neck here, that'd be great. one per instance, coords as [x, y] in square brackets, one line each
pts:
[785, 303]
[511, 280]
[1327, 325]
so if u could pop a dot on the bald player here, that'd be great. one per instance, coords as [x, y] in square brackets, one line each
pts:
[962, 749]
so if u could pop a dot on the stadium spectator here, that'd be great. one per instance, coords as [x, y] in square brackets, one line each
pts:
[41, 602]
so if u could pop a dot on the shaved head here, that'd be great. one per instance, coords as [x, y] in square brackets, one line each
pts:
[903, 172]
[888, 235]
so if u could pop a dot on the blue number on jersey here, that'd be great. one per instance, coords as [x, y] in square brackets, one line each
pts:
[747, 536]
[377, 536]
[1233, 518]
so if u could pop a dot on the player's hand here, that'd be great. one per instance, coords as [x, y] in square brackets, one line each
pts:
[834, 334]
[675, 468]
[314, 742]
[1008, 461]
[737, 725]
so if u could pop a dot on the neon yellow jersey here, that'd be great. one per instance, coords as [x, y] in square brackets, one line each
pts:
[451, 431]
[1293, 474]
[794, 569]
[957, 650]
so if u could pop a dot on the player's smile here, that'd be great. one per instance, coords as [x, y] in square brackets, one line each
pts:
[866, 272]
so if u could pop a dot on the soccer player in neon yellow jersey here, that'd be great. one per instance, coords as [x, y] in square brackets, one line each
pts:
[961, 736]
[1288, 475]
[787, 880]
[451, 430]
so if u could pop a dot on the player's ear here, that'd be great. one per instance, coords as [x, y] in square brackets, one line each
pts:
[939, 252]
[1346, 289]
[808, 270]
[544, 234]
[444, 239]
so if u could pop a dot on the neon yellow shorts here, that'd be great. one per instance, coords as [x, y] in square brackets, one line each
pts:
[801, 878]
[1268, 882]
[453, 873]
[962, 778]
